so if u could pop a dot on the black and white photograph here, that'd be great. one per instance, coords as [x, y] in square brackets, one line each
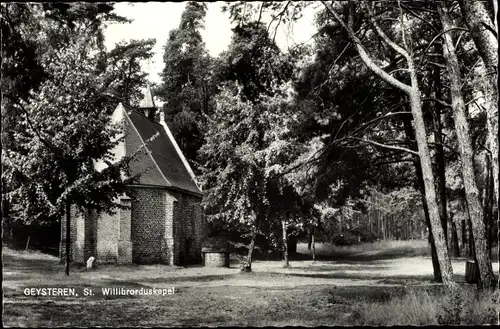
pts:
[250, 164]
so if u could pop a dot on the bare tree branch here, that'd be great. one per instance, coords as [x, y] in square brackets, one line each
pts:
[384, 36]
[437, 64]
[367, 124]
[418, 17]
[330, 70]
[434, 39]
[391, 147]
[260, 13]
[469, 72]
[280, 15]
[439, 101]
[474, 100]
[364, 54]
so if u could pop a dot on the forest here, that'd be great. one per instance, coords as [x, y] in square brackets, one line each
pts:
[385, 127]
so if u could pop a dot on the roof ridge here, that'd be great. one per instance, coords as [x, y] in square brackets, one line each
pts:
[180, 154]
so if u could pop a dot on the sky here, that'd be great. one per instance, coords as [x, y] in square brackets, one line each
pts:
[157, 19]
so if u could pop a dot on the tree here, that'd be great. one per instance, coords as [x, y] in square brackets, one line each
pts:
[246, 146]
[383, 28]
[31, 36]
[415, 100]
[254, 61]
[466, 152]
[64, 127]
[125, 78]
[483, 28]
[186, 85]
[21, 72]
[262, 75]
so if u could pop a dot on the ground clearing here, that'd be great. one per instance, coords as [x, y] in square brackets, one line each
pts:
[339, 289]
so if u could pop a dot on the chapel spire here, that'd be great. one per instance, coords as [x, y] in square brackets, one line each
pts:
[147, 105]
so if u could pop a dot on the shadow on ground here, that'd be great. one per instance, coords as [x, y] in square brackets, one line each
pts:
[26, 262]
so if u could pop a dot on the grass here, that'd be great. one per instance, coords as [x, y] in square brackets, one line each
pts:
[370, 251]
[465, 306]
[352, 289]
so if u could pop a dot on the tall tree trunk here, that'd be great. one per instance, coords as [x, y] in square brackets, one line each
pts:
[466, 154]
[309, 238]
[379, 227]
[7, 226]
[435, 261]
[127, 82]
[428, 178]
[488, 195]
[454, 239]
[370, 231]
[247, 266]
[285, 244]
[471, 252]
[464, 236]
[391, 226]
[68, 236]
[440, 162]
[313, 245]
[420, 186]
[384, 227]
[481, 27]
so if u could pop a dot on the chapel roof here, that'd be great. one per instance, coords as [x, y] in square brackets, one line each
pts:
[164, 151]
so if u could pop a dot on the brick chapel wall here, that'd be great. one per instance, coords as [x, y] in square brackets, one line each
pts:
[77, 237]
[201, 229]
[147, 224]
[189, 229]
[108, 234]
[90, 244]
[92, 234]
[124, 241]
[165, 227]
[168, 251]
